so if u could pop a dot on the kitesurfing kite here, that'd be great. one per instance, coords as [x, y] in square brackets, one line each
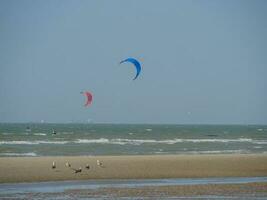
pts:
[136, 64]
[89, 98]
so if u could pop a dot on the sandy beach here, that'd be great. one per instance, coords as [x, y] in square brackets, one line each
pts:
[251, 190]
[35, 169]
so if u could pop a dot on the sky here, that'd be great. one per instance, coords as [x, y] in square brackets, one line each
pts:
[203, 62]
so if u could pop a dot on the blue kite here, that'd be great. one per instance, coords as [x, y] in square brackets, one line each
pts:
[136, 64]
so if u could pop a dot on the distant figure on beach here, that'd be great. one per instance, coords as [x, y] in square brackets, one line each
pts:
[87, 166]
[68, 164]
[54, 132]
[77, 170]
[99, 163]
[54, 165]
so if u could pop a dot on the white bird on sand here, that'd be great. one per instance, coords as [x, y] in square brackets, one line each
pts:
[68, 164]
[54, 165]
[99, 163]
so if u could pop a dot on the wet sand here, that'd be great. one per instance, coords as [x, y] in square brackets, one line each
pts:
[252, 191]
[36, 169]
[218, 190]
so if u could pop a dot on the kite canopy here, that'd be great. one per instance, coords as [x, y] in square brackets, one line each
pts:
[89, 98]
[136, 64]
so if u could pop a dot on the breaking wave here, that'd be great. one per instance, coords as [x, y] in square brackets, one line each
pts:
[32, 142]
[41, 134]
[19, 154]
[124, 141]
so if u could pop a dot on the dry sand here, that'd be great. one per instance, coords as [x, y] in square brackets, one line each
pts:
[35, 169]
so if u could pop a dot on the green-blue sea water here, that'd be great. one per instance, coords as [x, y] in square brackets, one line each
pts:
[122, 139]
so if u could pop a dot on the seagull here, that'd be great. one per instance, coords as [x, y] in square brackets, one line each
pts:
[68, 164]
[99, 163]
[87, 166]
[77, 170]
[53, 165]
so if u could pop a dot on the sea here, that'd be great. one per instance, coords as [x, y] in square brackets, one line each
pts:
[37, 139]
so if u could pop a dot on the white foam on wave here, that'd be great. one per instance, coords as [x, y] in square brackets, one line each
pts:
[260, 142]
[257, 147]
[40, 134]
[66, 133]
[133, 141]
[6, 133]
[125, 141]
[218, 140]
[52, 142]
[99, 141]
[32, 142]
[148, 129]
[112, 141]
[18, 142]
[19, 154]
[237, 151]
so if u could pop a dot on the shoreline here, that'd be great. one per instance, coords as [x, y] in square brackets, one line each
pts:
[251, 190]
[39, 169]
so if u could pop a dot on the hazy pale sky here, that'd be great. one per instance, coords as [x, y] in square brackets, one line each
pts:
[202, 61]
